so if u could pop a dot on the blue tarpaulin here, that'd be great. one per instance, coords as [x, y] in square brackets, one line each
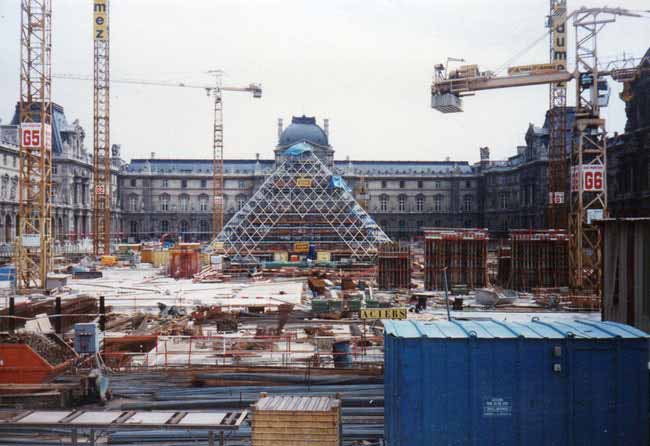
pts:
[337, 182]
[298, 149]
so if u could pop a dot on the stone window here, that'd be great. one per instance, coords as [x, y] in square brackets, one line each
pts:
[419, 203]
[184, 226]
[420, 184]
[468, 184]
[383, 184]
[165, 183]
[184, 184]
[436, 184]
[133, 203]
[437, 203]
[164, 202]
[468, 203]
[134, 182]
[164, 226]
[503, 200]
[204, 183]
[205, 228]
[242, 184]
[134, 227]
[383, 203]
[184, 203]
[402, 184]
[203, 203]
[401, 203]
[241, 201]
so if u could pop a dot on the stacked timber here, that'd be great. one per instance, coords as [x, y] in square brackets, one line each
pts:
[296, 421]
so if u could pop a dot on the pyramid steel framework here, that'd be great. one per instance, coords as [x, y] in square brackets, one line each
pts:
[302, 203]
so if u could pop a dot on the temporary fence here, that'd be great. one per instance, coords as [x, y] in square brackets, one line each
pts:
[394, 266]
[461, 252]
[540, 259]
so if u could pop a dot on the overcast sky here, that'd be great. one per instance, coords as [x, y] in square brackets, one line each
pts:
[366, 65]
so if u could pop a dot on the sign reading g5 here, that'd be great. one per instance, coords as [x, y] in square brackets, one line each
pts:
[383, 313]
[100, 20]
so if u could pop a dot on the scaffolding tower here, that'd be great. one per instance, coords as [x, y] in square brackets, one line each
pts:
[301, 206]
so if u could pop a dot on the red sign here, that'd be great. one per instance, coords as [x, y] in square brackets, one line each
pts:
[99, 189]
[32, 137]
[592, 176]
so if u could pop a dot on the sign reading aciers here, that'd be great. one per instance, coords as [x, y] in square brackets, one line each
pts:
[100, 20]
[383, 313]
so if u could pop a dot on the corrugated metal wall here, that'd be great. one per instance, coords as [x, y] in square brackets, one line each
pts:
[626, 271]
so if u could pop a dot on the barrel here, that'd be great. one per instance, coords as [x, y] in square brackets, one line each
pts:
[342, 356]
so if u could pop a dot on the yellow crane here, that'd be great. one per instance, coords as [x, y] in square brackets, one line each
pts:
[588, 192]
[33, 253]
[215, 91]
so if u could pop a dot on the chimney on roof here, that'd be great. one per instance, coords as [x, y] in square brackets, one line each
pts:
[279, 128]
[257, 156]
[153, 155]
[326, 127]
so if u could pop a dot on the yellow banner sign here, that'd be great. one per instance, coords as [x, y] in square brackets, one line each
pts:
[303, 182]
[383, 313]
[301, 247]
[100, 20]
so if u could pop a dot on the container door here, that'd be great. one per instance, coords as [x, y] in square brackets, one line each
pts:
[594, 406]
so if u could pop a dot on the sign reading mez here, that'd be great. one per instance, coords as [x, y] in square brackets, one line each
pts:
[100, 20]
[383, 313]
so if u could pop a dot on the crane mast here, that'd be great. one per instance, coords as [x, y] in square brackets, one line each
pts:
[101, 131]
[557, 120]
[217, 156]
[34, 243]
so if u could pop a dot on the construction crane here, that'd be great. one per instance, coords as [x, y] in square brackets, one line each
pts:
[215, 91]
[557, 215]
[588, 192]
[34, 243]
[102, 187]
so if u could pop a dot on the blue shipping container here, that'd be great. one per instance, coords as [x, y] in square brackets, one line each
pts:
[486, 382]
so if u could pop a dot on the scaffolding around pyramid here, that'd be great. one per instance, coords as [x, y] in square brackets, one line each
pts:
[302, 206]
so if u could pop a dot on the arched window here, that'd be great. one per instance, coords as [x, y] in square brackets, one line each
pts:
[184, 227]
[468, 203]
[184, 203]
[164, 202]
[164, 226]
[383, 203]
[241, 201]
[203, 203]
[401, 203]
[503, 200]
[205, 228]
[419, 203]
[437, 203]
[133, 202]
